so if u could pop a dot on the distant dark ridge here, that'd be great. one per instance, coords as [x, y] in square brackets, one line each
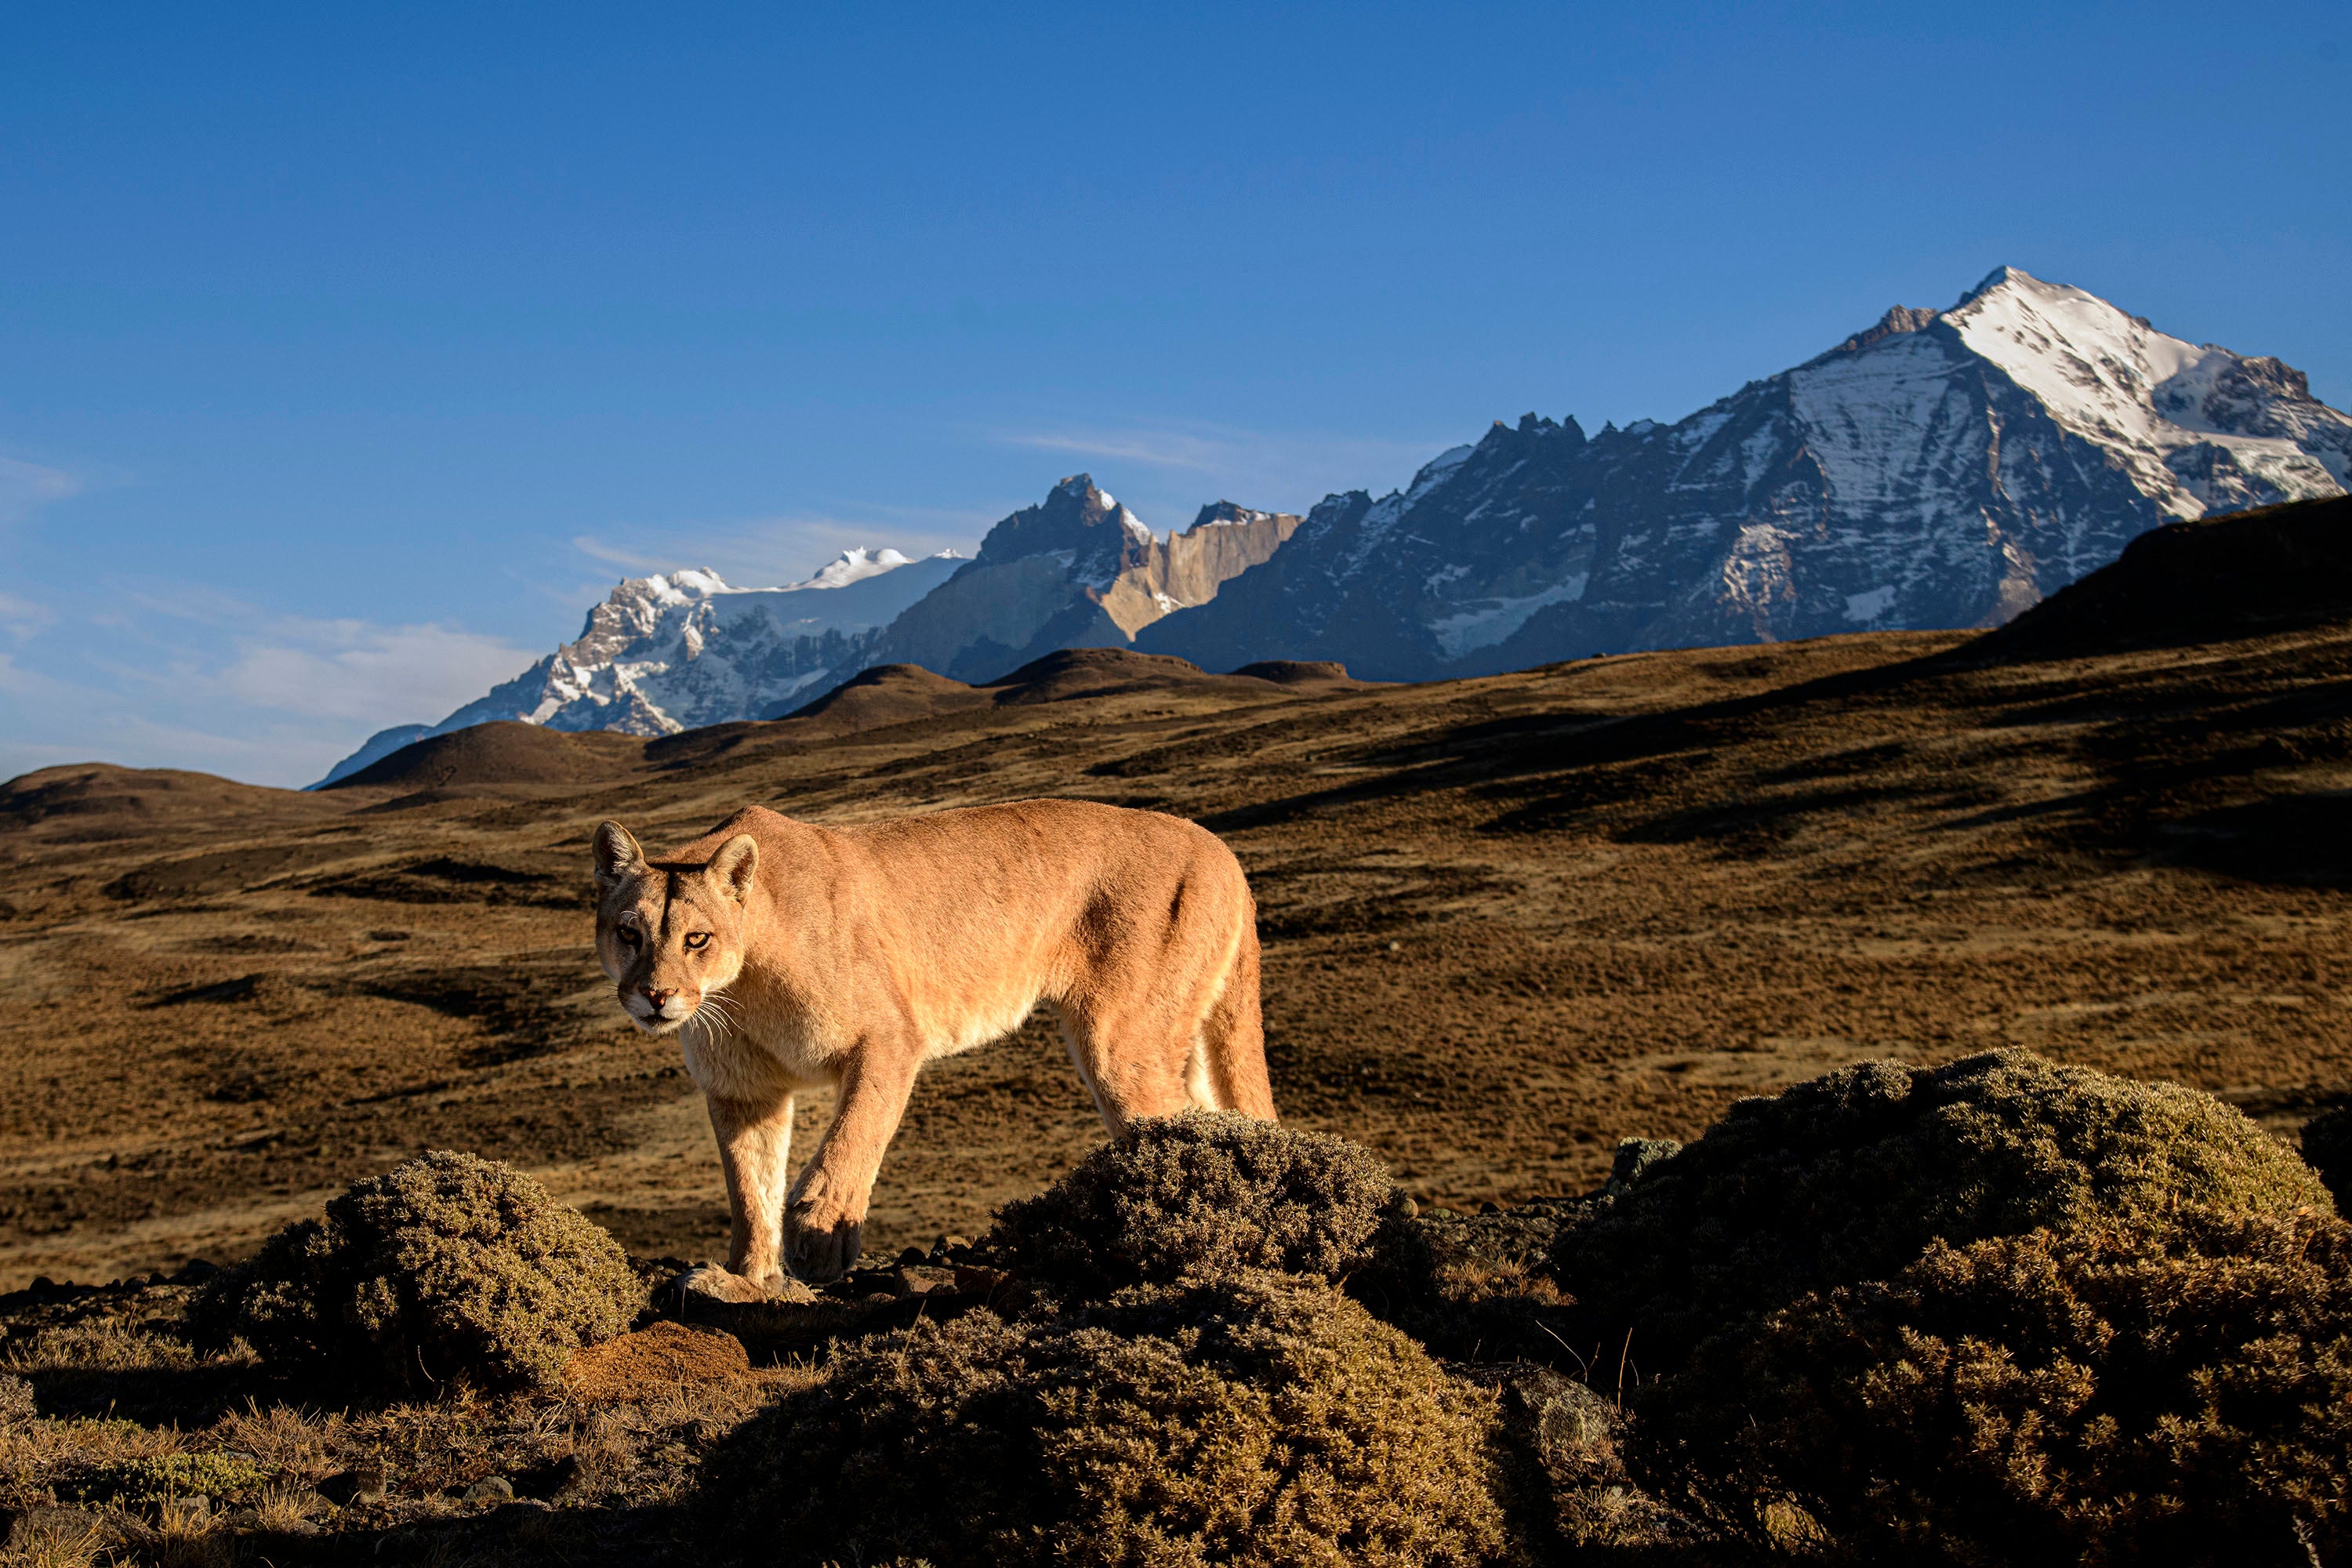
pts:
[1074, 673]
[504, 752]
[1297, 671]
[902, 693]
[2246, 574]
[889, 694]
[107, 801]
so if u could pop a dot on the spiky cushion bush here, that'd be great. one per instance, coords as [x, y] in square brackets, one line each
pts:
[448, 1268]
[1244, 1420]
[2171, 1389]
[1851, 1176]
[1200, 1193]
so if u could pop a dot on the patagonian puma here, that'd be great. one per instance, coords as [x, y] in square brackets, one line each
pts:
[787, 955]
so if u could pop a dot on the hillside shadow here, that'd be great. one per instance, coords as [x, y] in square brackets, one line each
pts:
[2301, 839]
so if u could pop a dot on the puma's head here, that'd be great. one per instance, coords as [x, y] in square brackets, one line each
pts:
[671, 936]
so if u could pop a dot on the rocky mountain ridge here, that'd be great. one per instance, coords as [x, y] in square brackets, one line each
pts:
[1078, 570]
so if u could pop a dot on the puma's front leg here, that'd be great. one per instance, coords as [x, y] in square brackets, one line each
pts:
[755, 1143]
[825, 1219]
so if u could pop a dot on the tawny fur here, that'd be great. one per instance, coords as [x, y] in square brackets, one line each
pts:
[787, 955]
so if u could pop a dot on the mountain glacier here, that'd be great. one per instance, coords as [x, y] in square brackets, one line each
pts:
[1943, 468]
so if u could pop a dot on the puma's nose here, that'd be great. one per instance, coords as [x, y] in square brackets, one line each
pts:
[658, 998]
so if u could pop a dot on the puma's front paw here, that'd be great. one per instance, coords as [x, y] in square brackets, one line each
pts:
[721, 1285]
[821, 1241]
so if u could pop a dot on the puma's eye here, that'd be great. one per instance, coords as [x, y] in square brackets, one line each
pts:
[697, 939]
[629, 934]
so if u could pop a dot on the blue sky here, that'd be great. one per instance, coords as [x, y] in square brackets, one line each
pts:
[348, 354]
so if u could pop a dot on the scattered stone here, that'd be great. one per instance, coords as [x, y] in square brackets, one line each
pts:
[922, 1279]
[367, 1481]
[661, 1356]
[491, 1490]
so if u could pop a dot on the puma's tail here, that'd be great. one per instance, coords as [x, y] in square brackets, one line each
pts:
[1233, 1037]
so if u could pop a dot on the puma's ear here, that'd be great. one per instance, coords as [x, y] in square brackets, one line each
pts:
[733, 866]
[617, 856]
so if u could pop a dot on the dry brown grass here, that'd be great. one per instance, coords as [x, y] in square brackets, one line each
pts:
[1620, 894]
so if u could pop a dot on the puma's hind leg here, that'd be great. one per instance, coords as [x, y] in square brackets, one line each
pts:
[1231, 1057]
[1157, 1035]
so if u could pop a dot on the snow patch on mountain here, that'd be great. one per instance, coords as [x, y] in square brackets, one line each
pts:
[2143, 394]
[673, 650]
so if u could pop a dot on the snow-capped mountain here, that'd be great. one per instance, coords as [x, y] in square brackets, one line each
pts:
[1079, 570]
[1943, 468]
[673, 651]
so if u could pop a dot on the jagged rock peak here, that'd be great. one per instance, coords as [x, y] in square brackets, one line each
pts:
[1898, 320]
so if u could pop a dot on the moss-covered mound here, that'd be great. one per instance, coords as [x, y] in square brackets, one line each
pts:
[1851, 1176]
[448, 1268]
[1249, 1419]
[2328, 1149]
[2171, 1389]
[1200, 1193]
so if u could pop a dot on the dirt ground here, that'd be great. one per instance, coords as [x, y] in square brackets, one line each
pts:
[1507, 923]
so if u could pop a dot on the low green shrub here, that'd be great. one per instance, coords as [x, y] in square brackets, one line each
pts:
[1200, 1193]
[1247, 1419]
[2173, 1389]
[159, 1476]
[449, 1268]
[1851, 1176]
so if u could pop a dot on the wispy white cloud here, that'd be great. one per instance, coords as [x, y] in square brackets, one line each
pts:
[357, 670]
[270, 700]
[597, 549]
[27, 487]
[20, 619]
[756, 552]
[1160, 448]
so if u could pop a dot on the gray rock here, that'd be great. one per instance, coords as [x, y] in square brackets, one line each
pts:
[1635, 1157]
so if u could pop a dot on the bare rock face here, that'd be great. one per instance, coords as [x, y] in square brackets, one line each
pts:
[1078, 570]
